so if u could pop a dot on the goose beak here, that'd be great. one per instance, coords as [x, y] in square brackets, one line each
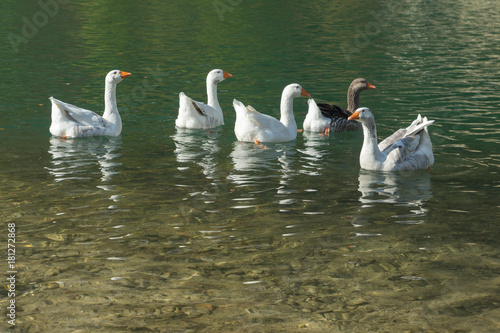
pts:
[370, 86]
[354, 116]
[226, 74]
[304, 93]
[124, 74]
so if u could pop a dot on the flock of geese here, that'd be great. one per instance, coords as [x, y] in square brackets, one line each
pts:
[408, 148]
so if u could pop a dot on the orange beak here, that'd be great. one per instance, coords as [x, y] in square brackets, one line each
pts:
[226, 74]
[124, 74]
[304, 93]
[354, 116]
[370, 86]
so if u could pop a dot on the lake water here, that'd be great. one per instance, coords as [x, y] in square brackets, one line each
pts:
[167, 230]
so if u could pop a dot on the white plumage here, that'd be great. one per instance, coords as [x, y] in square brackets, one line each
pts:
[69, 121]
[193, 114]
[253, 126]
[407, 149]
[315, 121]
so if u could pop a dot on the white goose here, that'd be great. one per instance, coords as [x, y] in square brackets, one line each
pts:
[407, 149]
[253, 126]
[315, 121]
[69, 121]
[193, 114]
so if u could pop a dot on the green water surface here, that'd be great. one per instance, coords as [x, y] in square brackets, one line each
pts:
[169, 230]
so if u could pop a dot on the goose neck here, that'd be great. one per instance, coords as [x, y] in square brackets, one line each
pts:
[213, 101]
[110, 108]
[353, 99]
[370, 151]
[286, 109]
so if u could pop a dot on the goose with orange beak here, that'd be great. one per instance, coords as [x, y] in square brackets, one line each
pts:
[337, 115]
[198, 115]
[253, 126]
[69, 121]
[407, 149]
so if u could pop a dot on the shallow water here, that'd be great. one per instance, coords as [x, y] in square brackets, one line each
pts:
[169, 230]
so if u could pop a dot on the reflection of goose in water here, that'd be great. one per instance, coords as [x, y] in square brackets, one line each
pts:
[313, 153]
[411, 187]
[199, 147]
[75, 159]
[254, 163]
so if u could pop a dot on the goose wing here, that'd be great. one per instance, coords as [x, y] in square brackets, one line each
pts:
[194, 114]
[78, 115]
[266, 124]
[414, 150]
[333, 111]
[251, 125]
[414, 127]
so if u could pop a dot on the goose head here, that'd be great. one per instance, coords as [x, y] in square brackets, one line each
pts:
[360, 85]
[362, 115]
[217, 75]
[115, 76]
[295, 90]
